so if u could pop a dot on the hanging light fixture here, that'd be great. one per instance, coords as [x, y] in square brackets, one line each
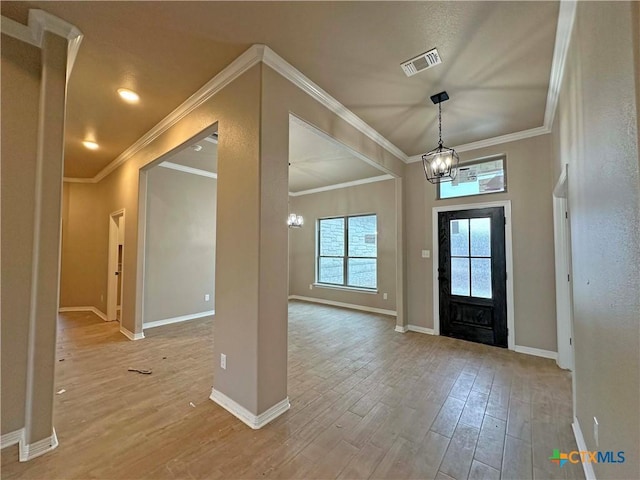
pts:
[440, 164]
[295, 221]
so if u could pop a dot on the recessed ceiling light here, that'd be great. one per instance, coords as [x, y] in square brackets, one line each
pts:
[90, 145]
[128, 95]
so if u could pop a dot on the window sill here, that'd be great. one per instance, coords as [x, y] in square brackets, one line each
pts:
[372, 291]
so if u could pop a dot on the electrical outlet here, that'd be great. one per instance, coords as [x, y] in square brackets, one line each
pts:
[426, 253]
[595, 432]
[311, 286]
[384, 296]
[206, 297]
[223, 361]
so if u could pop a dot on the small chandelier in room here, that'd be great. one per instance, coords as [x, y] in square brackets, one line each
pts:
[440, 164]
[295, 221]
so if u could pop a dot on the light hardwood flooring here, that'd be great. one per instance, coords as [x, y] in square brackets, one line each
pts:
[366, 402]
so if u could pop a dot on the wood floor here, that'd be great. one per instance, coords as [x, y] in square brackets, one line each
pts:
[366, 402]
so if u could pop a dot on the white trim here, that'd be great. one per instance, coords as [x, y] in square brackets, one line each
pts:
[182, 318]
[346, 289]
[582, 446]
[508, 241]
[343, 305]
[185, 169]
[316, 131]
[562, 251]
[490, 142]
[416, 328]
[112, 261]
[33, 450]
[537, 352]
[130, 335]
[401, 328]
[566, 17]
[235, 69]
[18, 31]
[288, 71]
[99, 313]
[12, 438]
[253, 421]
[78, 180]
[354, 183]
[40, 21]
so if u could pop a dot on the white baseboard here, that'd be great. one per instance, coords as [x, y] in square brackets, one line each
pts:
[382, 311]
[33, 450]
[536, 352]
[253, 421]
[414, 328]
[183, 318]
[130, 335]
[11, 438]
[84, 309]
[582, 446]
[418, 329]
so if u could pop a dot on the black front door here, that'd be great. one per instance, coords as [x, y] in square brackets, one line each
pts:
[472, 275]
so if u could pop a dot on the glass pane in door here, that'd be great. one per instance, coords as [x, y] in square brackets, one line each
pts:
[460, 276]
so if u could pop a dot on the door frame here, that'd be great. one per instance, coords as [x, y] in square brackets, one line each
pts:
[116, 221]
[506, 204]
[564, 303]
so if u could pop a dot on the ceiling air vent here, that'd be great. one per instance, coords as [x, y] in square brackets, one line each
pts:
[421, 62]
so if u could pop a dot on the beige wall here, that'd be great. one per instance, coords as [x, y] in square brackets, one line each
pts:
[180, 239]
[378, 198]
[20, 95]
[85, 231]
[597, 127]
[33, 107]
[529, 184]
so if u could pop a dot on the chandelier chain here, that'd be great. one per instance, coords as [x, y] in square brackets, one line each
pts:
[440, 124]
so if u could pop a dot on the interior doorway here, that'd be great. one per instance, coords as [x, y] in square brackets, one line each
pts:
[115, 265]
[564, 300]
[472, 275]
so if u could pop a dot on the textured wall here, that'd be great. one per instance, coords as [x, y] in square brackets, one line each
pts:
[181, 243]
[378, 198]
[20, 95]
[597, 135]
[529, 185]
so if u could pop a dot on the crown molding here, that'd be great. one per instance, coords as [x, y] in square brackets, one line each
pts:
[566, 20]
[261, 53]
[354, 183]
[40, 22]
[295, 76]
[185, 169]
[236, 68]
[18, 31]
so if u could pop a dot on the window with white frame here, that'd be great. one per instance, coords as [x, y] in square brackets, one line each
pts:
[348, 251]
[476, 178]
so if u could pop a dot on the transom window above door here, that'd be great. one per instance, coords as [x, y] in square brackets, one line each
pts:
[476, 178]
[347, 251]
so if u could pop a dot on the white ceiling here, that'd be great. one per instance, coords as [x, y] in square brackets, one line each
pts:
[316, 161]
[497, 59]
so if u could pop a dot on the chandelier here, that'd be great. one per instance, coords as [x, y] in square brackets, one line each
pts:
[440, 164]
[294, 221]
